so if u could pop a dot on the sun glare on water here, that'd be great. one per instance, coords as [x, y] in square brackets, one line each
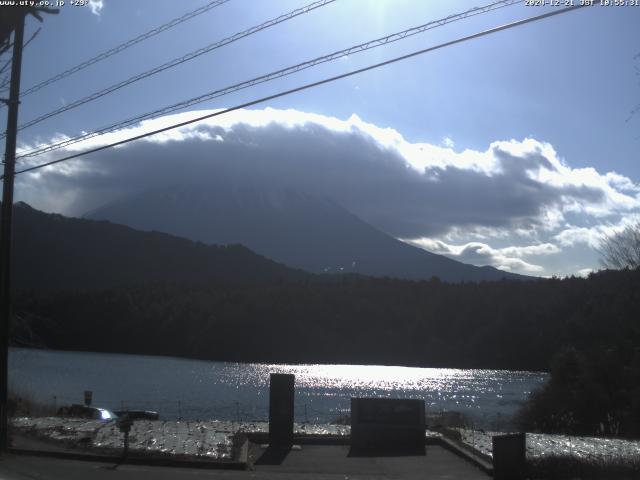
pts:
[377, 377]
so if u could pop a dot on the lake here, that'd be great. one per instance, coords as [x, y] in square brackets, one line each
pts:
[195, 389]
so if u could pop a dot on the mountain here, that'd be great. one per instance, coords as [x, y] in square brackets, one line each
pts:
[53, 251]
[297, 229]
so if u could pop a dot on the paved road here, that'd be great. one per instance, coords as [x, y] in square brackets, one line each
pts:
[311, 462]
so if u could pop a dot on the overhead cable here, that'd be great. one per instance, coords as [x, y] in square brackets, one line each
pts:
[123, 46]
[271, 76]
[307, 86]
[177, 61]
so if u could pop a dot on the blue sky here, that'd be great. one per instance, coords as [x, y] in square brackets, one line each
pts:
[567, 84]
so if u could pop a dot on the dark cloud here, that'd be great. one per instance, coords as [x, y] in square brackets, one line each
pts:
[350, 167]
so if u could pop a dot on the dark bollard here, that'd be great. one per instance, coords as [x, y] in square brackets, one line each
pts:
[387, 426]
[124, 424]
[509, 456]
[281, 392]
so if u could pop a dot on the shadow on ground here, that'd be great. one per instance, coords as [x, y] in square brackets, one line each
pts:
[273, 456]
[386, 452]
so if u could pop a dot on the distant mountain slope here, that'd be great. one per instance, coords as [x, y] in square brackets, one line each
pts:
[52, 251]
[296, 229]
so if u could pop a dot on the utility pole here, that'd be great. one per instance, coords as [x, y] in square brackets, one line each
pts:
[5, 226]
[12, 19]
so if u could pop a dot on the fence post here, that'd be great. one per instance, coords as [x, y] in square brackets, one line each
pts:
[473, 434]
[124, 424]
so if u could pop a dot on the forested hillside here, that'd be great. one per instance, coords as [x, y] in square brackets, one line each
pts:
[513, 325]
[53, 252]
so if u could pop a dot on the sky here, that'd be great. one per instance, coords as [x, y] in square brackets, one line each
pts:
[517, 150]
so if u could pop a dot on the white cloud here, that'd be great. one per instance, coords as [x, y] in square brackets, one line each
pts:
[539, 249]
[584, 272]
[448, 142]
[481, 254]
[579, 235]
[592, 236]
[96, 6]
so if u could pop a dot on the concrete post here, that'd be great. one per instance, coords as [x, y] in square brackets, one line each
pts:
[281, 395]
[509, 456]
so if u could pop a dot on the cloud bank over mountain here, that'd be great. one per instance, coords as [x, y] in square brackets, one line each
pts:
[518, 205]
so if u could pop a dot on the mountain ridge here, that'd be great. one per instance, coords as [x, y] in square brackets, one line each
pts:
[293, 228]
[51, 251]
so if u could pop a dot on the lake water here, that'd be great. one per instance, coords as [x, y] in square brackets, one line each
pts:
[194, 389]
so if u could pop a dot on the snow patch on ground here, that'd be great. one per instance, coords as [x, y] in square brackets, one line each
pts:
[598, 450]
[214, 439]
[204, 439]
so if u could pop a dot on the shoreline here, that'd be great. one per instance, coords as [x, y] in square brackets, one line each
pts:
[278, 363]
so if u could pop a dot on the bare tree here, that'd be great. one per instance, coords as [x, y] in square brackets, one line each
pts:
[622, 249]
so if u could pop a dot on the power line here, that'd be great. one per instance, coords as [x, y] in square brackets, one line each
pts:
[4, 67]
[180, 60]
[309, 85]
[274, 75]
[123, 46]
[8, 62]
